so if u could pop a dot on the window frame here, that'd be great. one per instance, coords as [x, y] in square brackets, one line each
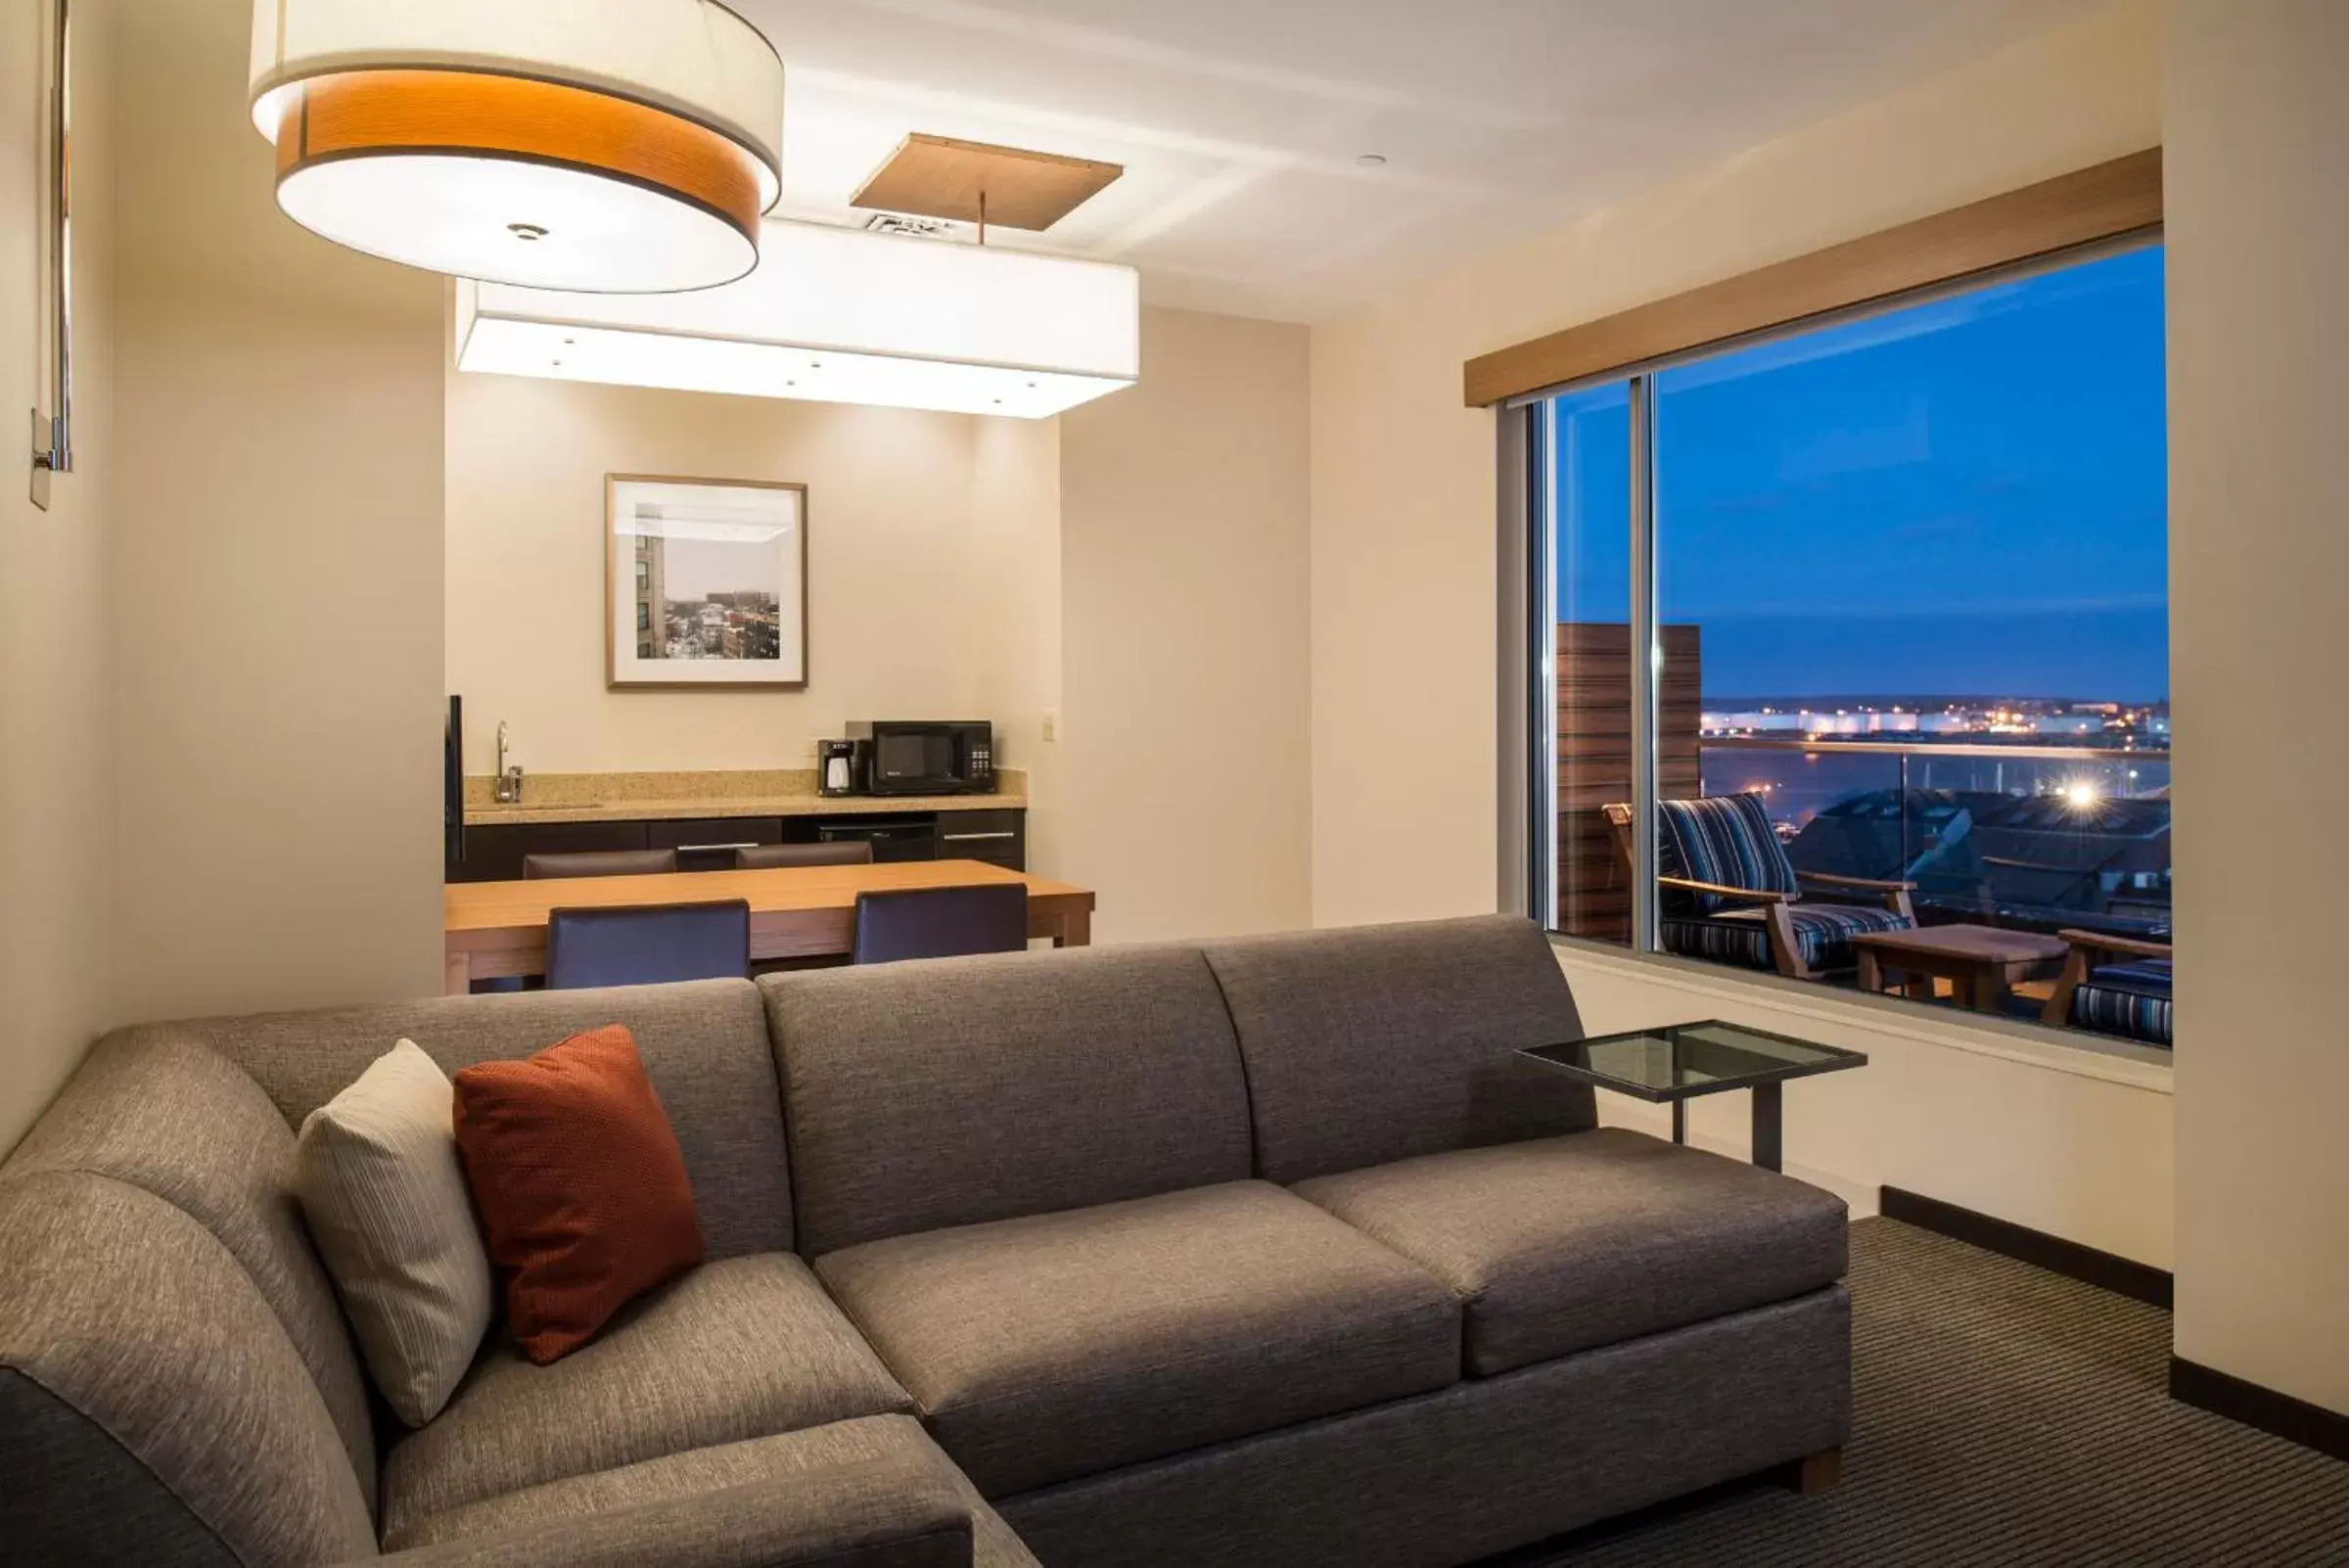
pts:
[1526, 526]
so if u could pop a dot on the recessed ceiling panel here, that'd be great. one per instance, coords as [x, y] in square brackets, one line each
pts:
[977, 182]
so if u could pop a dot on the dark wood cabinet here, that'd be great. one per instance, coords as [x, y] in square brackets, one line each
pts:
[1000, 838]
[708, 842]
[493, 852]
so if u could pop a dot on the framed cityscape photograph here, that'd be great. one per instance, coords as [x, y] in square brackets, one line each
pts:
[706, 582]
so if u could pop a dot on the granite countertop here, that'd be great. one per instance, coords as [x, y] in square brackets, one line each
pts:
[672, 797]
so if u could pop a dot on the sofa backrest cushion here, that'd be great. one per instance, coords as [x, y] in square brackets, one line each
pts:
[146, 1385]
[184, 1123]
[1381, 1043]
[703, 1044]
[956, 1090]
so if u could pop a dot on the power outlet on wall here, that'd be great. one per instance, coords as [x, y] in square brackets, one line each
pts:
[1051, 724]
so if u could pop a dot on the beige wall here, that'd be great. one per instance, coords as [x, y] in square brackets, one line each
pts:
[1183, 581]
[56, 821]
[890, 508]
[273, 574]
[1404, 593]
[2258, 161]
[1015, 621]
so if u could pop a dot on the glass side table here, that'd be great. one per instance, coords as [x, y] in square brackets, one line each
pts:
[1675, 1063]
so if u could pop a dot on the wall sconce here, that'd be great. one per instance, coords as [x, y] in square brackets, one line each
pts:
[53, 433]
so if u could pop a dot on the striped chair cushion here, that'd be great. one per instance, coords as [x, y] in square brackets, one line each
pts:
[2131, 999]
[1723, 839]
[1822, 932]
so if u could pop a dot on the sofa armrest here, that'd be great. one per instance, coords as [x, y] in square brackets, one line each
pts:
[895, 1511]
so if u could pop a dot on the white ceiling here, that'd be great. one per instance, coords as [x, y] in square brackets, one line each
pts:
[1240, 122]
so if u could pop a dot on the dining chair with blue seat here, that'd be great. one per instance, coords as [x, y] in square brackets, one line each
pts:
[1731, 894]
[941, 922]
[647, 945]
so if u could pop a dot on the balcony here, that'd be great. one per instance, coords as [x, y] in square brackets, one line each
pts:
[2025, 837]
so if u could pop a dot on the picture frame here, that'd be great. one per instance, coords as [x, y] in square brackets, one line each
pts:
[705, 583]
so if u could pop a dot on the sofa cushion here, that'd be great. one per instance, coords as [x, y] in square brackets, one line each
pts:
[1068, 1344]
[1726, 841]
[703, 1044]
[1380, 1043]
[967, 1089]
[2130, 998]
[741, 1348]
[583, 1194]
[1562, 1244]
[852, 1474]
[173, 1119]
[386, 1199]
[153, 1345]
[1822, 933]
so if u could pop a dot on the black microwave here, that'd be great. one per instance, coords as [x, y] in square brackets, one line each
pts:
[920, 757]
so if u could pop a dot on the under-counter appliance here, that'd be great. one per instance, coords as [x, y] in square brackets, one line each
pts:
[923, 757]
[835, 768]
[892, 839]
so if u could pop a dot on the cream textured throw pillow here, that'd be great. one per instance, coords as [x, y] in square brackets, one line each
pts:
[378, 1181]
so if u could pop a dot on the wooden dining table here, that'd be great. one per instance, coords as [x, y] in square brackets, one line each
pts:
[495, 929]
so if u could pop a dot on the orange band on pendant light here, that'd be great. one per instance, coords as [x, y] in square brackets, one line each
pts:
[602, 146]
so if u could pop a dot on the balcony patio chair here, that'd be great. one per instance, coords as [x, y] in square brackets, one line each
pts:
[1731, 894]
[2114, 986]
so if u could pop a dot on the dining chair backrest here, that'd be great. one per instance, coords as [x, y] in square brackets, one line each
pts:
[647, 945]
[599, 863]
[941, 922]
[769, 857]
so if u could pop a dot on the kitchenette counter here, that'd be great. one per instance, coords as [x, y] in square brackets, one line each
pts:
[687, 796]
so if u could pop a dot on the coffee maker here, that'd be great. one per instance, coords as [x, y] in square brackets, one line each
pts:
[835, 768]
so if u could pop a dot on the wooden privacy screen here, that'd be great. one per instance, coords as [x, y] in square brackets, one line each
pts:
[2099, 203]
[1595, 761]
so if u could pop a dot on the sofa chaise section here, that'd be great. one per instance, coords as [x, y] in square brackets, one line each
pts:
[172, 1359]
[874, 1493]
[740, 1348]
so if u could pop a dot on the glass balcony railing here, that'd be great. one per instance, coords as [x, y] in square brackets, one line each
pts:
[2035, 838]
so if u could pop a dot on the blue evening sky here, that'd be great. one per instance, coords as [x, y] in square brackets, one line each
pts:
[1967, 497]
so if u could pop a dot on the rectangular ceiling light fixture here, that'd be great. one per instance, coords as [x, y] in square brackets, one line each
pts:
[837, 315]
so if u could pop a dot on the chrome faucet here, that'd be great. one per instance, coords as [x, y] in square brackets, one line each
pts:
[508, 788]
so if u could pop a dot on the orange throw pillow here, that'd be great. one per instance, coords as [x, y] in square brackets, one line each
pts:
[579, 1184]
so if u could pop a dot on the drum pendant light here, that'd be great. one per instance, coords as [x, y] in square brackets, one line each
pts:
[596, 146]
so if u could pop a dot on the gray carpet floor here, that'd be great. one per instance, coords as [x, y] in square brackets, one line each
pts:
[2003, 1415]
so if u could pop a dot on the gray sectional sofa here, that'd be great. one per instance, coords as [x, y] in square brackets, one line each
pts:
[1256, 1252]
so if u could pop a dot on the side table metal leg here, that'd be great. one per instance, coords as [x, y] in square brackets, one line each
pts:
[1769, 1129]
[1680, 1121]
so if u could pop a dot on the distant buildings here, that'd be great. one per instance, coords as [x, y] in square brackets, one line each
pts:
[2011, 719]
